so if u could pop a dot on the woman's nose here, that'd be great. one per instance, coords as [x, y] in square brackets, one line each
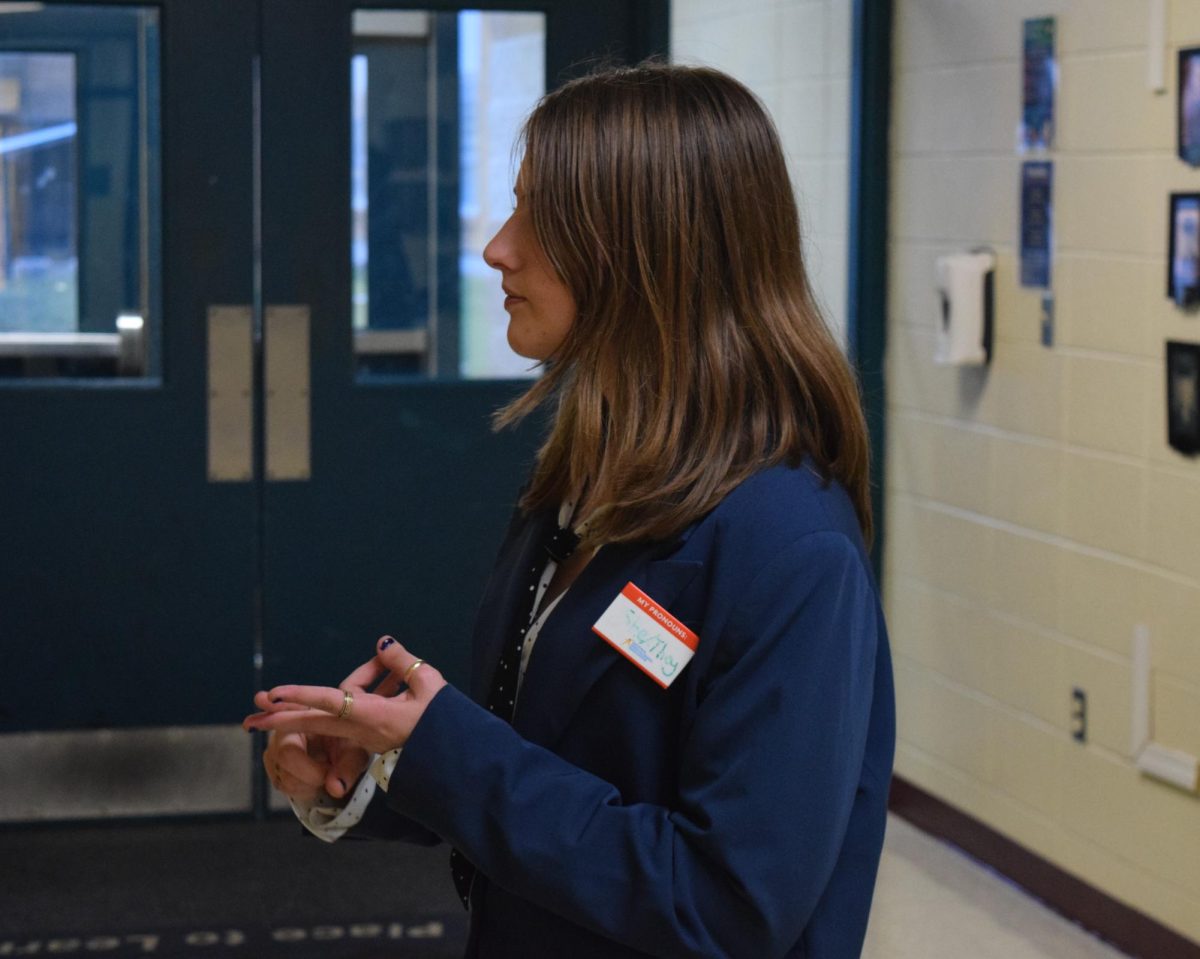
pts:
[498, 252]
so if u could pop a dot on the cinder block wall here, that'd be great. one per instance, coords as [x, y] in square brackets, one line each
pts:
[1035, 514]
[795, 55]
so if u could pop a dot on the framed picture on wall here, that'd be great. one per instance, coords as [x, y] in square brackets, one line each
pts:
[1183, 259]
[1188, 108]
[1183, 396]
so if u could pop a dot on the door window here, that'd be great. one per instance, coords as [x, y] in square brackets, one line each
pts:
[437, 100]
[79, 191]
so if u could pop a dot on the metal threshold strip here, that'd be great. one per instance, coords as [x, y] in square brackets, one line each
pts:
[104, 345]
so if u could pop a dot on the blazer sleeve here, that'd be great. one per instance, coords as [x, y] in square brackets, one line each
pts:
[380, 821]
[769, 769]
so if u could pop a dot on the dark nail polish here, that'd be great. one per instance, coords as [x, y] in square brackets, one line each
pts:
[277, 701]
[345, 788]
[385, 643]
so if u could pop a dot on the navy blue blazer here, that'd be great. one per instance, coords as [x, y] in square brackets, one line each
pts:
[741, 811]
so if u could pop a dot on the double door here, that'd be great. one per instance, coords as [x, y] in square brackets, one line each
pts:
[248, 356]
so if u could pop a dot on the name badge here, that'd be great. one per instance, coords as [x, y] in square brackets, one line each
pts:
[647, 635]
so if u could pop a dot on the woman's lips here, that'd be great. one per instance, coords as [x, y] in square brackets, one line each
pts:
[511, 301]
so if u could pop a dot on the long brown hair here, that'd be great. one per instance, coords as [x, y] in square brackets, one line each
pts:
[698, 355]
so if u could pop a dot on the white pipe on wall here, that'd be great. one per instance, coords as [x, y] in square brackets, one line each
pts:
[1156, 47]
[1172, 766]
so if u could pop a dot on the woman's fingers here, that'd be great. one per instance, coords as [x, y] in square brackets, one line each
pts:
[389, 685]
[367, 673]
[292, 758]
[424, 680]
[374, 721]
[308, 721]
[374, 671]
[290, 768]
[300, 765]
[262, 700]
[294, 788]
[348, 765]
[387, 669]
[376, 724]
[325, 698]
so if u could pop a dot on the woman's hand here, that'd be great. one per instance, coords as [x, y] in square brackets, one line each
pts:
[300, 765]
[375, 721]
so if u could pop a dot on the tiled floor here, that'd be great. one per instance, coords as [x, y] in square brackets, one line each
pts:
[933, 902]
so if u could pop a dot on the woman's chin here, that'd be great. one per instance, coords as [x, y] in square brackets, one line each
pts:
[524, 348]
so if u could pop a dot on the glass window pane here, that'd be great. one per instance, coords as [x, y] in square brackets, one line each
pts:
[502, 64]
[79, 197]
[437, 100]
[39, 287]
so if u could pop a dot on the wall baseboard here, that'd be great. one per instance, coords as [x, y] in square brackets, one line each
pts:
[1124, 927]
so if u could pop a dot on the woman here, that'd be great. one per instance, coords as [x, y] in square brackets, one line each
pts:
[699, 690]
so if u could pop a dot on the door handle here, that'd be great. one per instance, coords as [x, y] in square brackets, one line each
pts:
[230, 394]
[286, 366]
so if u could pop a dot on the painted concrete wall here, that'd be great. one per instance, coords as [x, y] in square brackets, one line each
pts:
[795, 55]
[1035, 514]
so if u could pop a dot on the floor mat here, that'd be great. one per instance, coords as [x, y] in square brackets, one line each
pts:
[234, 888]
[417, 937]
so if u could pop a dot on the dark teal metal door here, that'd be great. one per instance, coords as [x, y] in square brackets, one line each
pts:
[128, 579]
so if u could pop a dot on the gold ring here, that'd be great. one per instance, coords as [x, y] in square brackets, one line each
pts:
[347, 704]
[408, 672]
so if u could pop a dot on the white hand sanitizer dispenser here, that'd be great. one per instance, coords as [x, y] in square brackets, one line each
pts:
[965, 331]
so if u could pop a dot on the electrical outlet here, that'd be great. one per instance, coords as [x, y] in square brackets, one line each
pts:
[1079, 715]
[1047, 319]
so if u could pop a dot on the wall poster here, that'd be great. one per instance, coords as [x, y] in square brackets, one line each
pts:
[1037, 179]
[1040, 79]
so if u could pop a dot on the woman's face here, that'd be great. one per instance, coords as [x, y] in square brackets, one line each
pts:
[540, 307]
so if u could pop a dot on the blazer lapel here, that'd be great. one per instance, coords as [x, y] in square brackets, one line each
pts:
[505, 598]
[569, 658]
